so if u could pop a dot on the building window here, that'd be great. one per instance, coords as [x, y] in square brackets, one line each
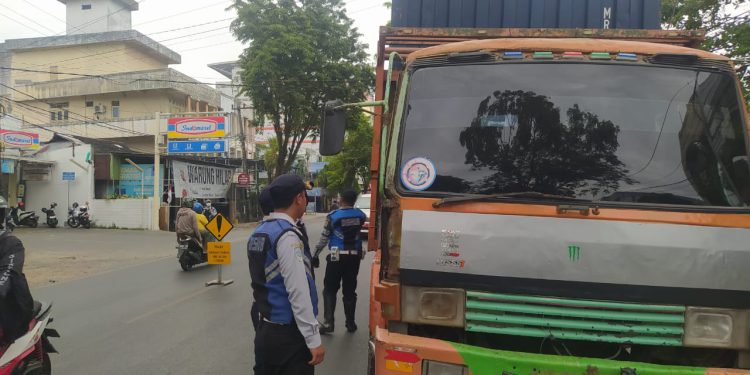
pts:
[115, 108]
[65, 114]
[89, 103]
[59, 105]
[59, 115]
[52, 116]
[85, 6]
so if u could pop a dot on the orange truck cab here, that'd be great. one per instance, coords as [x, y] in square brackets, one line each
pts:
[561, 201]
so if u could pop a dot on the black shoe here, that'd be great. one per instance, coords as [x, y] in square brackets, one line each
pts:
[351, 327]
[349, 308]
[329, 307]
[326, 328]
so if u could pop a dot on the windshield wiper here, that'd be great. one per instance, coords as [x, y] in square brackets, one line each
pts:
[519, 194]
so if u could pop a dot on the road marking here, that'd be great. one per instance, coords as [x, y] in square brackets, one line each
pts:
[168, 305]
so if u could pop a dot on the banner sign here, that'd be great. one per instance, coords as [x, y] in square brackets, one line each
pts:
[201, 181]
[130, 180]
[196, 127]
[197, 147]
[17, 139]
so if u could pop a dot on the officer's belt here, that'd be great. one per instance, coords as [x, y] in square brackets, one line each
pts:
[278, 324]
[348, 252]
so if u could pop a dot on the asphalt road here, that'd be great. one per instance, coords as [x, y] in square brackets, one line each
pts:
[154, 318]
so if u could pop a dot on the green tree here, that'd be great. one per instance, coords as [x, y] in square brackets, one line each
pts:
[302, 53]
[727, 28]
[345, 170]
[270, 153]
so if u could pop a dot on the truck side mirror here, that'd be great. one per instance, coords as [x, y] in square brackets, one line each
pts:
[333, 129]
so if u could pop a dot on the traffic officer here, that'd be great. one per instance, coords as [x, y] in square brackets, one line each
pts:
[341, 234]
[287, 339]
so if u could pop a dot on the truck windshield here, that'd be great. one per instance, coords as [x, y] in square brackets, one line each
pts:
[607, 132]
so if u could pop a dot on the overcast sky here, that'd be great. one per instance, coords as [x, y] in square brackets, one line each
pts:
[208, 43]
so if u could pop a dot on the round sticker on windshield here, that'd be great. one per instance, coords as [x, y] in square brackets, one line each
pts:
[418, 174]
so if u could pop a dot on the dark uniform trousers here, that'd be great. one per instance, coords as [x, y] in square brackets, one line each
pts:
[281, 350]
[344, 271]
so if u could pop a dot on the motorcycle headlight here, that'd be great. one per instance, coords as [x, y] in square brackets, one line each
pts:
[717, 328]
[437, 306]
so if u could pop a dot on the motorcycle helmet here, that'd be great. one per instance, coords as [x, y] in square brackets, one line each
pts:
[198, 208]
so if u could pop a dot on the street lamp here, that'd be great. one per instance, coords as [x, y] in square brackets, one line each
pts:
[142, 174]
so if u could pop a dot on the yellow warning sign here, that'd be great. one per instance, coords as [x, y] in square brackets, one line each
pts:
[219, 226]
[219, 253]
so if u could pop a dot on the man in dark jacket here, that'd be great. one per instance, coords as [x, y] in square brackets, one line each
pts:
[16, 304]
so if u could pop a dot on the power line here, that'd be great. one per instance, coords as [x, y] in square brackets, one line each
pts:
[29, 19]
[101, 123]
[23, 121]
[45, 12]
[192, 26]
[21, 23]
[181, 13]
[123, 49]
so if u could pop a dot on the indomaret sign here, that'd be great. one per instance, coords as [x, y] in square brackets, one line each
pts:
[196, 127]
[18, 139]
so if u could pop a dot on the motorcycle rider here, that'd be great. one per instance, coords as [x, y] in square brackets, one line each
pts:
[202, 222]
[187, 223]
[210, 210]
[16, 304]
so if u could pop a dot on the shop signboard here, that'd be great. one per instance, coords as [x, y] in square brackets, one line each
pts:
[201, 181]
[18, 139]
[196, 127]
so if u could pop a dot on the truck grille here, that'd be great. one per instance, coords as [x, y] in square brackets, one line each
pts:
[572, 319]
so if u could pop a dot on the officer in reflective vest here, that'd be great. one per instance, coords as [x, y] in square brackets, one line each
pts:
[287, 339]
[341, 234]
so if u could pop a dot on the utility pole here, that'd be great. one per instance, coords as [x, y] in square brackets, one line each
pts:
[156, 204]
[242, 135]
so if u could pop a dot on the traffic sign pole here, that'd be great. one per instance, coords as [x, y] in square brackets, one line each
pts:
[219, 252]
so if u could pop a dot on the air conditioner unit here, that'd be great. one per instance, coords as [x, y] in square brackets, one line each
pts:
[100, 109]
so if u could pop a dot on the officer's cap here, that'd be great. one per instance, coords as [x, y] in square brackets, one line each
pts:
[266, 201]
[285, 187]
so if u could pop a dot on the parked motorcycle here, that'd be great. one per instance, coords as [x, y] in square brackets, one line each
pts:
[190, 252]
[51, 217]
[9, 224]
[29, 354]
[21, 217]
[79, 216]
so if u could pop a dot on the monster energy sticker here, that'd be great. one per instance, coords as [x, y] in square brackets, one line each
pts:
[574, 253]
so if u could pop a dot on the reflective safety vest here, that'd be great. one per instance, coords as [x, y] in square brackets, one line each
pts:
[269, 291]
[347, 224]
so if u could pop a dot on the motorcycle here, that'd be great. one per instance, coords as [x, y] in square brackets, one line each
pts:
[79, 216]
[29, 354]
[9, 224]
[190, 252]
[51, 217]
[21, 217]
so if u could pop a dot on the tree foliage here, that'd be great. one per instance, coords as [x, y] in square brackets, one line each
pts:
[727, 25]
[302, 53]
[345, 170]
[538, 152]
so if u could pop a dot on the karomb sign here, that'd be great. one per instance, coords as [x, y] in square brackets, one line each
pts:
[196, 127]
[16, 139]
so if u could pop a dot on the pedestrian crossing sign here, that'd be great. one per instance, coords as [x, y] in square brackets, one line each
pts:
[219, 227]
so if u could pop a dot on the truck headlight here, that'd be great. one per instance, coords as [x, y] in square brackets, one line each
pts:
[440, 368]
[436, 306]
[717, 328]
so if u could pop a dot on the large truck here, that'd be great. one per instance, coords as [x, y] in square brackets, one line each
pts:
[569, 201]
